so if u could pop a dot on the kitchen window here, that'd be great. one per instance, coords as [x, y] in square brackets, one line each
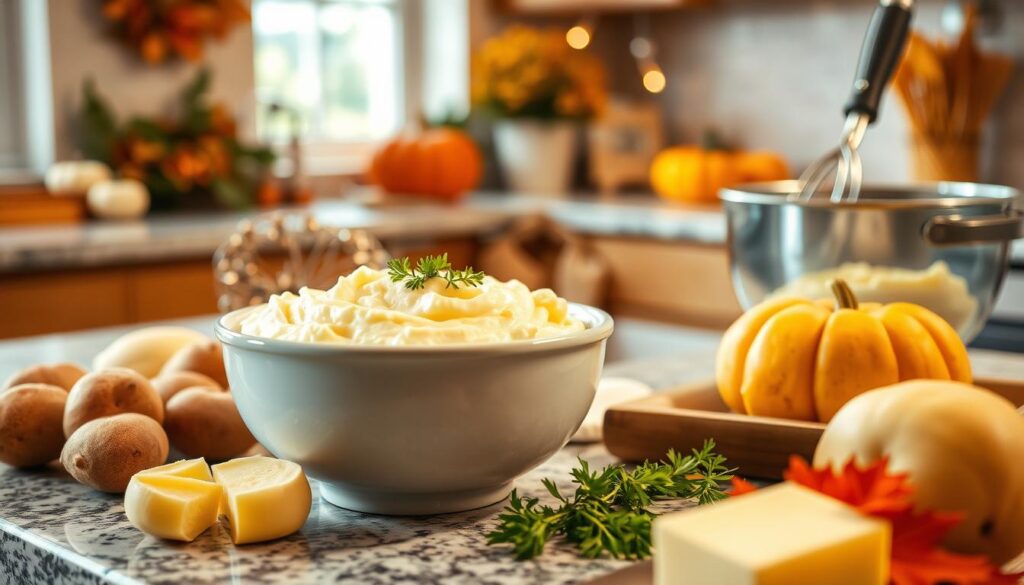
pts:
[337, 67]
[26, 101]
[12, 149]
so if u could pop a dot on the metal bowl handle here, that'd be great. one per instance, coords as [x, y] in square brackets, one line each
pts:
[946, 230]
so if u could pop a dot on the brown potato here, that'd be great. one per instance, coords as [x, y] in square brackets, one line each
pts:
[170, 384]
[110, 392]
[205, 423]
[105, 453]
[205, 357]
[31, 424]
[59, 375]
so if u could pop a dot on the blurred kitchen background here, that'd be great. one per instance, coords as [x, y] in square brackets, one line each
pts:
[577, 144]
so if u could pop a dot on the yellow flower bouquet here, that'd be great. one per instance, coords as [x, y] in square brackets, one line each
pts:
[529, 73]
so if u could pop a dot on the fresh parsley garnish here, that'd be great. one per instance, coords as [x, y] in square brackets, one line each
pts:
[609, 511]
[401, 269]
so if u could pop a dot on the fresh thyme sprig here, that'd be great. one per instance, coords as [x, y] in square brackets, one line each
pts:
[401, 269]
[609, 510]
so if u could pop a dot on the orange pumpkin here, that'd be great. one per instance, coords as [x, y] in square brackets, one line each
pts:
[442, 162]
[693, 174]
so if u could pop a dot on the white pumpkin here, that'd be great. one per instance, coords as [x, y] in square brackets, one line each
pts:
[119, 199]
[74, 178]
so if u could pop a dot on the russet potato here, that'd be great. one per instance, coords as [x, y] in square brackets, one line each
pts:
[106, 452]
[203, 422]
[31, 424]
[109, 392]
[206, 358]
[170, 384]
[62, 375]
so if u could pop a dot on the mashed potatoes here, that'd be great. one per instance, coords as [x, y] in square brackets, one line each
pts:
[367, 308]
[936, 288]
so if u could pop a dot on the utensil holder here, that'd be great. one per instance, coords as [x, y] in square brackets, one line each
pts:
[942, 158]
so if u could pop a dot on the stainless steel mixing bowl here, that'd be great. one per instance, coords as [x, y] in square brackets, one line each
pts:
[773, 239]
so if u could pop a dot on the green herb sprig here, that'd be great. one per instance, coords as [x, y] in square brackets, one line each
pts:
[401, 269]
[609, 512]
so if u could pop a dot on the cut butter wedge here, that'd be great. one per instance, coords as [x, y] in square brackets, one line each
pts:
[176, 507]
[193, 468]
[264, 498]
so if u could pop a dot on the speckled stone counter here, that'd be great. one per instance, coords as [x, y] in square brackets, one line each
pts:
[54, 530]
[185, 236]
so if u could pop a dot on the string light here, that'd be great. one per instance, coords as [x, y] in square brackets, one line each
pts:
[654, 80]
[645, 52]
[580, 35]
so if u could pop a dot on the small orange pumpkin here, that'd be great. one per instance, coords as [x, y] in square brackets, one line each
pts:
[694, 174]
[441, 162]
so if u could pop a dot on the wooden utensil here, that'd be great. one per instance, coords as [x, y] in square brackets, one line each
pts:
[948, 91]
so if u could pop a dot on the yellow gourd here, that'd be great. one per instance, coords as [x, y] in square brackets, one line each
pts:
[802, 359]
[695, 174]
[960, 447]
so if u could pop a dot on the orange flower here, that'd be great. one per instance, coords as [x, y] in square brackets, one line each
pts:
[117, 9]
[187, 45]
[153, 48]
[221, 121]
[184, 167]
[214, 152]
[142, 152]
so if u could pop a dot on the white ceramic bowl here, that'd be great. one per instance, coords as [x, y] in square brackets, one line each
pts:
[415, 429]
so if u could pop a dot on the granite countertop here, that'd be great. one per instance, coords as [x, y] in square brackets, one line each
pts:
[184, 236]
[54, 530]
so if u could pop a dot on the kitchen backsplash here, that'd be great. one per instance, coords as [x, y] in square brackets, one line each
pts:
[775, 74]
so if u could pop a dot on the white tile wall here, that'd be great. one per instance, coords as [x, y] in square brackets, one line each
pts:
[775, 74]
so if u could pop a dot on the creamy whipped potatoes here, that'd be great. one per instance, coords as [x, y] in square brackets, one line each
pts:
[367, 308]
[936, 288]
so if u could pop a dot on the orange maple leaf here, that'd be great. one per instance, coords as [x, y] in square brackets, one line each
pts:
[871, 489]
[741, 486]
[917, 555]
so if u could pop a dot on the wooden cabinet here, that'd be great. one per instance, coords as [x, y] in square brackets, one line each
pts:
[50, 302]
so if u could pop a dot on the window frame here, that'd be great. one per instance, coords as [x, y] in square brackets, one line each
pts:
[14, 160]
[350, 157]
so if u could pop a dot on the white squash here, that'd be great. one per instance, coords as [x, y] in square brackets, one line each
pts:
[961, 446]
[119, 199]
[74, 178]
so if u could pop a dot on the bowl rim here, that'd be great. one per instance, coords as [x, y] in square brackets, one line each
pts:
[947, 194]
[599, 326]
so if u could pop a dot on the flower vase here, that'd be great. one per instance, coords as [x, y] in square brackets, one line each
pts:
[536, 157]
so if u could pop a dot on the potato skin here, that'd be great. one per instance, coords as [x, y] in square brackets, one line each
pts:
[109, 392]
[63, 375]
[106, 452]
[206, 358]
[201, 422]
[171, 383]
[31, 424]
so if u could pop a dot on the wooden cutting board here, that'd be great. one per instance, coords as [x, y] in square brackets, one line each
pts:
[683, 418]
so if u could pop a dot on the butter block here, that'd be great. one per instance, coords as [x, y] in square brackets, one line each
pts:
[170, 506]
[781, 535]
[264, 498]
